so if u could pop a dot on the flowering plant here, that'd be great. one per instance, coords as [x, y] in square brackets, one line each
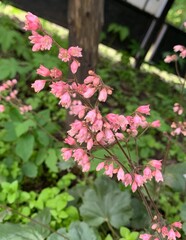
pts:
[92, 130]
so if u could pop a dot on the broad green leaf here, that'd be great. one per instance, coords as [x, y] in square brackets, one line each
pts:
[15, 115]
[174, 176]
[10, 231]
[43, 217]
[183, 212]
[23, 127]
[77, 231]
[43, 117]
[134, 236]
[140, 218]
[29, 169]
[51, 160]
[10, 133]
[108, 237]
[43, 137]
[124, 232]
[106, 203]
[7, 38]
[8, 68]
[41, 156]
[24, 147]
[184, 227]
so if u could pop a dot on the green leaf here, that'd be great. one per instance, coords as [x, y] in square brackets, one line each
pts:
[174, 178]
[41, 156]
[29, 169]
[15, 114]
[17, 232]
[124, 232]
[7, 38]
[77, 231]
[108, 237]
[43, 138]
[106, 203]
[10, 133]
[183, 212]
[184, 227]
[23, 127]
[51, 160]
[134, 236]
[43, 217]
[43, 117]
[140, 218]
[24, 147]
[8, 68]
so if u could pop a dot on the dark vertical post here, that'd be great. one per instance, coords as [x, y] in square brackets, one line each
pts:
[85, 20]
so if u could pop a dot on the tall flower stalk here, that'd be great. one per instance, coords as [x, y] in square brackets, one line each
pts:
[92, 130]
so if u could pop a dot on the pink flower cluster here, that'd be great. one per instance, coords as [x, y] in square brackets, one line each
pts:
[70, 55]
[174, 57]
[133, 179]
[170, 232]
[9, 94]
[39, 42]
[178, 127]
[91, 130]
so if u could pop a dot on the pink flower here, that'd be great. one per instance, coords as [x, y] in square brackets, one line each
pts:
[64, 55]
[95, 80]
[40, 42]
[178, 109]
[75, 51]
[158, 175]
[43, 71]
[145, 109]
[103, 94]
[90, 144]
[70, 141]
[156, 164]
[55, 73]
[74, 66]
[65, 100]
[121, 175]
[86, 167]
[32, 22]
[100, 166]
[156, 124]
[183, 53]
[75, 127]
[109, 170]
[171, 235]
[2, 108]
[89, 92]
[147, 174]
[100, 136]
[59, 88]
[145, 236]
[77, 109]
[66, 153]
[91, 116]
[38, 85]
[178, 48]
[177, 224]
[170, 58]
[128, 179]
[78, 154]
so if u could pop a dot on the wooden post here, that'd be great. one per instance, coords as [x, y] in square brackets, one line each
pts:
[85, 19]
